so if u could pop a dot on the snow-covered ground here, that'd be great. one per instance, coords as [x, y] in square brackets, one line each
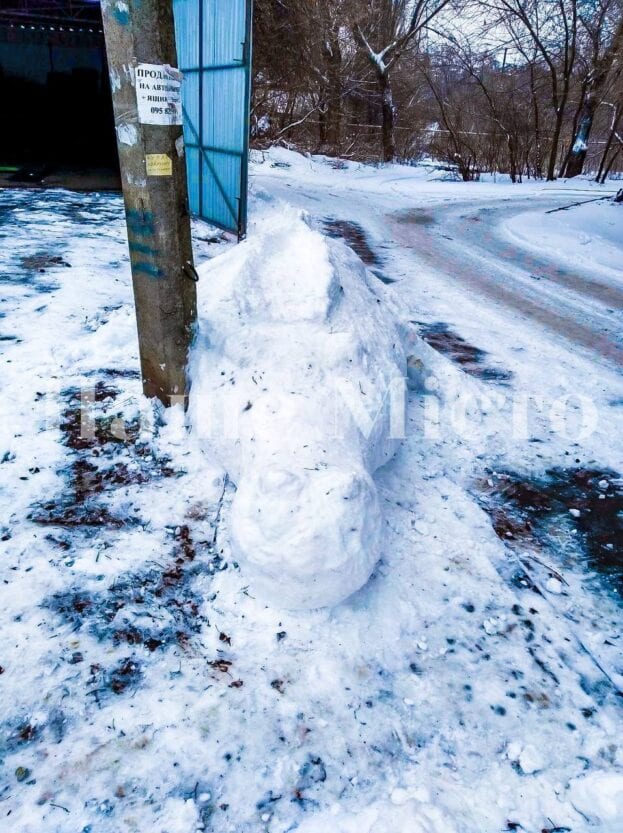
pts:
[588, 234]
[471, 686]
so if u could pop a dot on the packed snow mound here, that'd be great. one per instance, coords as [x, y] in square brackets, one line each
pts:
[297, 378]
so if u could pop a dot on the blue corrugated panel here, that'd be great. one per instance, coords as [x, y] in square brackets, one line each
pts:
[214, 53]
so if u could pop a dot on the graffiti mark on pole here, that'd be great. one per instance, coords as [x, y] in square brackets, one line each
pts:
[142, 249]
[121, 13]
[140, 223]
[148, 269]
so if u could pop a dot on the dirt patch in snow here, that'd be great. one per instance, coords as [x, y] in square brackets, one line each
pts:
[42, 261]
[119, 373]
[471, 359]
[31, 269]
[575, 512]
[151, 608]
[20, 732]
[355, 236]
[106, 453]
[154, 608]
[415, 216]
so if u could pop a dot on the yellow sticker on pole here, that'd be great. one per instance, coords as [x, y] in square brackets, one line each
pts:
[159, 164]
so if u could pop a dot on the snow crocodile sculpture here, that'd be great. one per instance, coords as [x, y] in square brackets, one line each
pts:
[298, 378]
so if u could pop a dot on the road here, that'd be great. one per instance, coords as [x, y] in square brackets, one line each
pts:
[462, 242]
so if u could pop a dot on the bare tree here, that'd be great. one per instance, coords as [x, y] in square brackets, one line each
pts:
[614, 142]
[382, 34]
[549, 28]
[520, 87]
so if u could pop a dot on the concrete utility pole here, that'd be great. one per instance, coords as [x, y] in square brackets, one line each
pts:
[146, 90]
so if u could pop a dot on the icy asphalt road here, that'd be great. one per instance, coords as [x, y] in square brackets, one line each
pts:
[463, 243]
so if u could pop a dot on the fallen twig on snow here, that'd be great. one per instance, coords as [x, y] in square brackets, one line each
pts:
[575, 204]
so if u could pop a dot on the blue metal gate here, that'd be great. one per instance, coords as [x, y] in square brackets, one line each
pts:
[214, 53]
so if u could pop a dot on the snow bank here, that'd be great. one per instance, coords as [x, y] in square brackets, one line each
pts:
[297, 381]
[587, 235]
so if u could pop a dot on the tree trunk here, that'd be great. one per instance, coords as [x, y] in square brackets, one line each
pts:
[334, 97]
[536, 116]
[577, 116]
[553, 154]
[577, 156]
[322, 122]
[595, 89]
[610, 140]
[609, 166]
[388, 117]
[379, 63]
[512, 159]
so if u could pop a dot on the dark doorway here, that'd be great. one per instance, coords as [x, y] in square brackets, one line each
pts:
[58, 126]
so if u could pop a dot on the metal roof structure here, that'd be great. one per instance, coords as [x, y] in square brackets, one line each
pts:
[51, 12]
